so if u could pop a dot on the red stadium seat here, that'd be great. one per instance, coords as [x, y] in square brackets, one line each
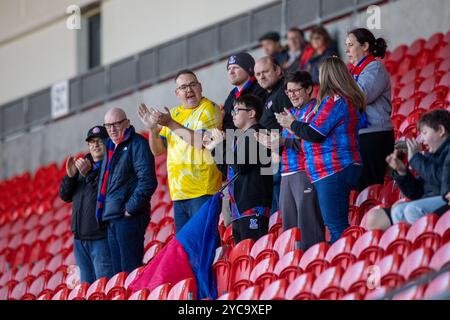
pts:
[367, 199]
[164, 234]
[434, 40]
[389, 267]
[275, 291]
[431, 102]
[79, 292]
[416, 47]
[228, 296]
[262, 273]
[441, 257]
[327, 285]
[62, 294]
[443, 52]
[251, 293]
[36, 288]
[429, 70]
[263, 247]
[287, 241]
[313, 260]
[442, 227]
[377, 293]
[352, 296]
[139, 295]
[56, 282]
[438, 286]
[228, 236]
[275, 224]
[408, 77]
[19, 290]
[183, 290]
[421, 233]
[115, 285]
[340, 252]
[394, 239]
[288, 266]
[96, 290]
[301, 288]
[354, 231]
[151, 251]
[444, 66]
[45, 296]
[366, 247]
[412, 293]
[355, 278]
[133, 274]
[160, 292]
[416, 263]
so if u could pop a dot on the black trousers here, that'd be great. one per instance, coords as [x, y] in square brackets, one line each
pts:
[374, 148]
[250, 227]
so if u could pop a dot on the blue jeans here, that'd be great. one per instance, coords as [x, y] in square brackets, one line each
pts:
[126, 242]
[183, 210]
[276, 192]
[333, 193]
[93, 258]
[414, 210]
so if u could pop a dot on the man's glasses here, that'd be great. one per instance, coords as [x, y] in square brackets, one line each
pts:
[291, 92]
[116, 125]
[236, 111]
[191, 85]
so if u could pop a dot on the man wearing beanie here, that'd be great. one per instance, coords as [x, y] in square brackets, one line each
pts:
[242, 77]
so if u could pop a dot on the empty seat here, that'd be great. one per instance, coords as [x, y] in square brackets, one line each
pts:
[251, 293]
[377, 293]
[152, 251]
[183, 290]
[340, 252]
[79, 292]
[139, 295]
[160, 292]
[416, 264]
[287, 241]
[442, 227]
[36, 288]
[412, 293]
[366, 246]
[389, 267]
[355, 278]
[275, 223]
[62, 294]
[438, 286]
[421, 233]
[367, 199]
[301, 287]
[441, 257]
[327, 285]
[262, 274]
[133, 274]
[313, 260]
[263, 247]
[288, 266]
[394, 239]
[275, 291]
[115, 285]
[56, 282]
[96, 290]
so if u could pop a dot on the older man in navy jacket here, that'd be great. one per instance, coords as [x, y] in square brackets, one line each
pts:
[127, 182]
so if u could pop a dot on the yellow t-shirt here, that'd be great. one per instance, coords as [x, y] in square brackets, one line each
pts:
[192, 172]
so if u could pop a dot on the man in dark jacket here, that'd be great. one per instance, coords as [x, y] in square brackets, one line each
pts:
[80, 186]
[242, 77]
[270, 77]
[127, 182]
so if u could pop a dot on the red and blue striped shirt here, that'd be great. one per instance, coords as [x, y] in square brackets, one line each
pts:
[293, 159]
[337, 120]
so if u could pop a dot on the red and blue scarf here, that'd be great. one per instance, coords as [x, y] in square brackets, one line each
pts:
[102, 195]
[247, 85]
[356, 72]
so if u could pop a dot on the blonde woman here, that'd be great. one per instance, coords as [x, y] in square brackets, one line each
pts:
[330, 135]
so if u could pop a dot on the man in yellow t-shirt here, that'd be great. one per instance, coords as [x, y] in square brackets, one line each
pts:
[192, 174]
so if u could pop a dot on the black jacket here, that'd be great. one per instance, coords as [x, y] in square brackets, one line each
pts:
[132, 179]
[251, 188]
[275, 103]
[254, 89]
[433, 174]
[82, 192]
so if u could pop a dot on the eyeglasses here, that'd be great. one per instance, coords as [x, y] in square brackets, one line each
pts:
[236, 111]
[191, 85]
[116, 125]
[293, 91]
[94, 142]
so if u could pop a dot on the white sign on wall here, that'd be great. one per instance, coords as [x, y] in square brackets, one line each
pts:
[60, 99]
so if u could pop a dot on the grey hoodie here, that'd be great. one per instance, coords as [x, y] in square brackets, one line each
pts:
[374, 81]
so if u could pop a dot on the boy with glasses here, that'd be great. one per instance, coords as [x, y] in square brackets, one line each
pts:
[251, 186]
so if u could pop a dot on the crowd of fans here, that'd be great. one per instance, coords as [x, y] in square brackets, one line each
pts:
[271, 146]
